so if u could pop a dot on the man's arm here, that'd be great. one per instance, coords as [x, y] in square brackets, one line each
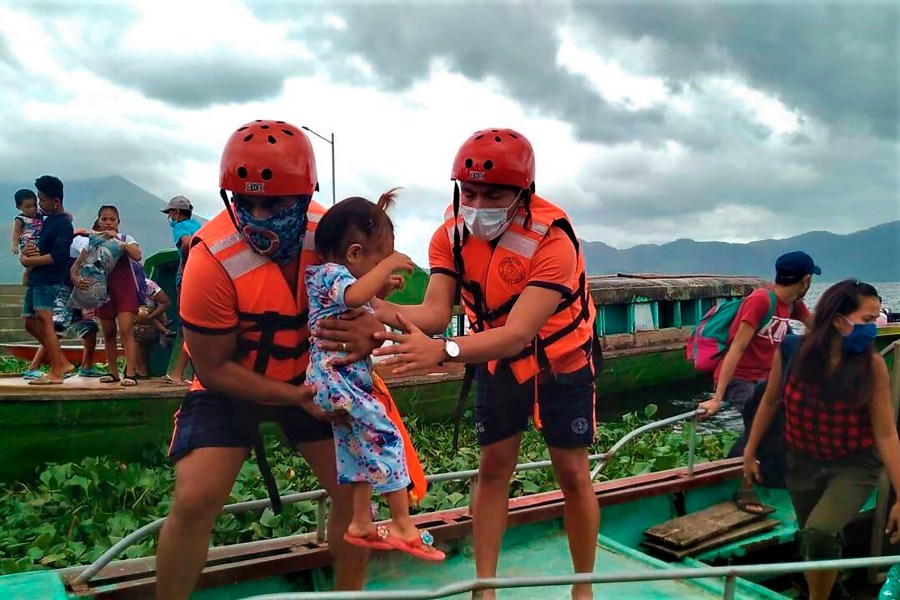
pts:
[729, 364]
[432, 316]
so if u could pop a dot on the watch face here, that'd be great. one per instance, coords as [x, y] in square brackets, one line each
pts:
[452, 348]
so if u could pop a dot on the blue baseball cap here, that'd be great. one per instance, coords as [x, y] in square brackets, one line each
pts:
[794, 266]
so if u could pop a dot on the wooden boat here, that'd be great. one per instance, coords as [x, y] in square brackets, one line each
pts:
[654, 527]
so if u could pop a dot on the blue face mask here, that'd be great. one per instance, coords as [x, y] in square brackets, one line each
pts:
[860, 338]
[278, 236]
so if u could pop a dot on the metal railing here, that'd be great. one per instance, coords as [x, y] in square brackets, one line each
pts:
[631, 576]
[319, 496]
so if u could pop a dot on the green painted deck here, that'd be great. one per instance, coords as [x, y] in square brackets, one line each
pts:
[541, 549]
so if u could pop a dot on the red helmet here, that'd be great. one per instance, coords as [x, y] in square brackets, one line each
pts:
[497, 156]
[268, 158]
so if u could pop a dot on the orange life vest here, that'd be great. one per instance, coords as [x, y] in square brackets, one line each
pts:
[273, 335]
[493, 275]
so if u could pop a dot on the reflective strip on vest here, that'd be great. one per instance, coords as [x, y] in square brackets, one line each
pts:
[242, 263]
[225, 242]
[520, 244]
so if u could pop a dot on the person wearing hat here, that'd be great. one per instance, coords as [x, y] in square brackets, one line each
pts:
[180, 212]
[752, 343]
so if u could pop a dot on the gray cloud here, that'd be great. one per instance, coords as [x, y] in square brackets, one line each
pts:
[198, 81]
[837, 62]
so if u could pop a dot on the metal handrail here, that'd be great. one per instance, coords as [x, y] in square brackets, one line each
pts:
[730, 574]
[320, 495]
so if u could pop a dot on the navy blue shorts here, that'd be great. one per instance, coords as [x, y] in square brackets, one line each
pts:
[211, 420]
[565, 406]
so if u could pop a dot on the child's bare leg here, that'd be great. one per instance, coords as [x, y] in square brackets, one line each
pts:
[401, 525]
[362, 524]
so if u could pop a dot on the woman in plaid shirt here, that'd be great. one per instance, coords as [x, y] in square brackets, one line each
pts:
[839, 427]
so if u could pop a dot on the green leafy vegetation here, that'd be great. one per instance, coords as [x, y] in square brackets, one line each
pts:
[71, 513]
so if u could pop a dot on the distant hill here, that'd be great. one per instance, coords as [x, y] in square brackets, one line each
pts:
[138, 208]
[872, 254]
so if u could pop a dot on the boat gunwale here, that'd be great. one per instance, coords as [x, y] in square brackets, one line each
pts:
[129, 578]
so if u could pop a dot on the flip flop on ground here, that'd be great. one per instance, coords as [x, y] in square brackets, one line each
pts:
[90, 372]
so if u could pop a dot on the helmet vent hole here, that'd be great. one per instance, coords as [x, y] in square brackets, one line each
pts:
[241, 128]
[263, 126]
[280, 122]
[271, 139]
[488, 165]
[258, 121]
[242, 172]
[266, 174]
[469, 163]
[287, 132]
[478, 137]
[497, 138]
[513, 136]
[247, 138]
[494, 130]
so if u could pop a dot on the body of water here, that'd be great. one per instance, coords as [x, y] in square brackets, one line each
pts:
[684, 396]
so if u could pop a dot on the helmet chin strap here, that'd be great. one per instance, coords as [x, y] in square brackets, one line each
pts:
[229, 209]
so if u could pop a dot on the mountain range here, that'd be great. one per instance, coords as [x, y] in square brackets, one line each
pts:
[872, 254]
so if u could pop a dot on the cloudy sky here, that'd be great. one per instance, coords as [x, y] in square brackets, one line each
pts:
[651, 121]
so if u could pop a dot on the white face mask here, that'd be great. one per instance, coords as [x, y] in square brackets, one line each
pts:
[487, 223]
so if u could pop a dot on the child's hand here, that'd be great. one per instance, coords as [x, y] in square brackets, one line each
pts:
[394, 283]
[15, 249]
[398, 262]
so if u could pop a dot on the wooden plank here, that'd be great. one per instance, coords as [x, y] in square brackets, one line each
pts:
[719, 540]
[689, 530]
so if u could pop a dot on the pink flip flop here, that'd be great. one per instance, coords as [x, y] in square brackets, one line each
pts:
[374, 540]
[421, 547]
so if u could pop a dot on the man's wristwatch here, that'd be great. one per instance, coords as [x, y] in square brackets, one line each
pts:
[451, 349]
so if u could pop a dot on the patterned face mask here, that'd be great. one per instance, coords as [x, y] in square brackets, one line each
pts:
[279, 236]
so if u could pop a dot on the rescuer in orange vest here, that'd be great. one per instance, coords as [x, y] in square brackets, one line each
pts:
[520, 271]
[244, 311]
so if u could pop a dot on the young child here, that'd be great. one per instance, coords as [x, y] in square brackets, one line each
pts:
[150, 326]
[26, 225]
[356, 240]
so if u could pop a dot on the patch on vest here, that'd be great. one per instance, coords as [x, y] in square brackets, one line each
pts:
[511, 270]
[255, 187]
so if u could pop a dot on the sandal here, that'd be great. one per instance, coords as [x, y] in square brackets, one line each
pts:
[372, 540]
[89, 372]
[128, 381]
[421, 546]
[746, 500]
[33, 374]
[43, 381]
[109, 379]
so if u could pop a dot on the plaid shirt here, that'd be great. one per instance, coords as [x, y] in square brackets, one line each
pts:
[823, 431]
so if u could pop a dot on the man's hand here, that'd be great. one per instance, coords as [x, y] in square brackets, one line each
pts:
[353, 333]
[711, 407]
[28, 261]
[306, 400]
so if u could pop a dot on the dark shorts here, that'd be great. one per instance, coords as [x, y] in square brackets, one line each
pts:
[566, 408]
[739, 392]
[122, 289]
[40, 297]
[210, 420]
